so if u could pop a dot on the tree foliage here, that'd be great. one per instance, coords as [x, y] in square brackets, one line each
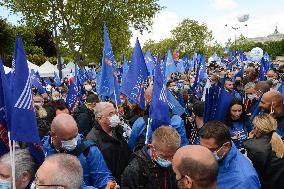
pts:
[192, 35]
[78, 24]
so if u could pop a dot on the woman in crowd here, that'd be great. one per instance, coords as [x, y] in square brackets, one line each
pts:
[237, 122]
[266, 151]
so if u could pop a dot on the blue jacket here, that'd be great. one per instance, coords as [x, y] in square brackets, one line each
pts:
[95, 170]
[236, 172]
[139, 127]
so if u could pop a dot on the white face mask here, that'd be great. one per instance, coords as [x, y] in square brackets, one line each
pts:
[88, 87]
[69, 145]
[114, 121]
[55, 98]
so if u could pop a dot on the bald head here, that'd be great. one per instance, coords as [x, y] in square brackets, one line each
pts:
[64, 122]
[198, 163]
[274, 96]
[63, 128]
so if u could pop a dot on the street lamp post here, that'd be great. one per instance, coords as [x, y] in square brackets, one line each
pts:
[235, 28]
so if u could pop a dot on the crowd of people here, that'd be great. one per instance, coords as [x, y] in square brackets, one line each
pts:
[102, 144]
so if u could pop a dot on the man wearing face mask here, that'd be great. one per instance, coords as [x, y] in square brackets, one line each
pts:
[84, 114]
[25, 170]
[108, 135]
[235, 170]
[64, 138]
[272, 103]
[151, 167]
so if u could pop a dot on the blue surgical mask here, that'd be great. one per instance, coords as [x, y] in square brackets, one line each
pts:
[163, 162]
[176, 89]
[216, 156]
[186, 87]
[5, 184]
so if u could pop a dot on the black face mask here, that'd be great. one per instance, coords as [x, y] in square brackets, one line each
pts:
[237, 83]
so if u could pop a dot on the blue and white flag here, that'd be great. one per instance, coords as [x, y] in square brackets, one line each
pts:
[35, 78]
[109, 71]
[169, 64]
[57, 80]
[174, 104]
[150, 62]
[133, 86]
[159, 108]
[23, 120]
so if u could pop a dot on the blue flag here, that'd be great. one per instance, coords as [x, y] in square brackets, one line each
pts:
[180, 66]
[125, 68]
[109, 74]
[174, 104]
[4, 141]
[73, 97]
[169, 64]
[133, 86]
[47, 81]
[262, 72]
[150, 62]
[35, 78]
[57, 80]
[226, 51]
[159, 108]
[92, 74]
[23, 120]
[83, 75]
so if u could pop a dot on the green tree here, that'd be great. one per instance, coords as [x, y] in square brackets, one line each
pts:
[78, 24]
[192, 35]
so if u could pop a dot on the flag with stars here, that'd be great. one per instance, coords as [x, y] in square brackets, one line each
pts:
[133, 86]
[73, 97]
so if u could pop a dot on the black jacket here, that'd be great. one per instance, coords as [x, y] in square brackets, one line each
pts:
[270, 169]
[114, 149]
[85, 119]
[142, 172]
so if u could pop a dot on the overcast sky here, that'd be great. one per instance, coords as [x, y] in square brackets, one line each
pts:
[264, 16]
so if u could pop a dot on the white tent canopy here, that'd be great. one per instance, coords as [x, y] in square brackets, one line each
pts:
[33, 66]
[47, 70]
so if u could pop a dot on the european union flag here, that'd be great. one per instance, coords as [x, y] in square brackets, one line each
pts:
[109, 74]
[159, 108]
[57, 80]
[202, 72]
[150, 62]
[92, 74]
[35, 78]
[23, 121]
[73, 97]
[133, 86]
[169, 64]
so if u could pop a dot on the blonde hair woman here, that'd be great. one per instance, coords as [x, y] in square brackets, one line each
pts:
[265, 149]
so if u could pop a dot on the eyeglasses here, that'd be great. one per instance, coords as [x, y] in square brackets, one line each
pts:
[38, 186]
[180, 178]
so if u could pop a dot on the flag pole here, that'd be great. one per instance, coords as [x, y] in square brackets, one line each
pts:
[147, 131]
[12, 158]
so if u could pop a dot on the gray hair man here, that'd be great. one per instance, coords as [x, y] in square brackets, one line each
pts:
[25, 169]
[60, 170]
